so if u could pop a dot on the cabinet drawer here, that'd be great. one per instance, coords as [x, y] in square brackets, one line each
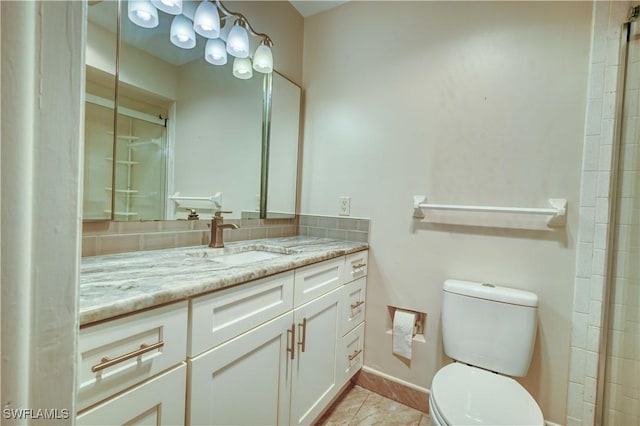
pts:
[220, 316]
[352, 354]
[353, 304]
[160, 401]
[130, 343]
[315, 280]
[356, 265]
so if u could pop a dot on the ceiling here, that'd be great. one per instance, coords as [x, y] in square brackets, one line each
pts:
[312, 7]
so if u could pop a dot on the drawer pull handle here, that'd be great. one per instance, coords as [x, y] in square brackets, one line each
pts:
[355, 354]
[355, 305]
[359, 265]
[303, 334]
[106, 362]
[293, 340]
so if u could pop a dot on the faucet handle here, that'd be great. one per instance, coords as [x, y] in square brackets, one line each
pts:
[193, 214]
[219, 213]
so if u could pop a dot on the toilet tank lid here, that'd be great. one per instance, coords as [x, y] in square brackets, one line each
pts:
[491, 292]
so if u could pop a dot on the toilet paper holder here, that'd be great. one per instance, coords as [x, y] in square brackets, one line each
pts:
[418, 326]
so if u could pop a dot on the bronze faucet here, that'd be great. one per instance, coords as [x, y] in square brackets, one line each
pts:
[217, 225]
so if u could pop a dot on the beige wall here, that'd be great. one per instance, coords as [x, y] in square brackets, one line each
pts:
[137, 68]
[218, 130]
[471, 103]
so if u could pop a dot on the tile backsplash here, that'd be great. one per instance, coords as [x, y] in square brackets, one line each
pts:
[341, 228]
[99, 238]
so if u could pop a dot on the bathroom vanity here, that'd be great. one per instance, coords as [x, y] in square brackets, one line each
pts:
[260, 332]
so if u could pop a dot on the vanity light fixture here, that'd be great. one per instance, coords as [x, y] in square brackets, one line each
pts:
[209, 17]
[207, 20]
[172, 7]
[215, 52]
[263, 58]
[182, 33]
[238, 40]
[143, 13]
[242, 68]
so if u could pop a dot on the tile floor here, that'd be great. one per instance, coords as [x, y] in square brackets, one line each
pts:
[359, 406]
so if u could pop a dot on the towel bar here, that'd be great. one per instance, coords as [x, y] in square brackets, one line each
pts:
[557, 211]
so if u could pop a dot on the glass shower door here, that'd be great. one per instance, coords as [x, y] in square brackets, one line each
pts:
[139, 167]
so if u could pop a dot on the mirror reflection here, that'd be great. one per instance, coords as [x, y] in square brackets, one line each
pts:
[283, 148]
[189, 134]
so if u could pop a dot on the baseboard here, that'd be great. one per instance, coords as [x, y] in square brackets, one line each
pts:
[398, 390]
[393, 388]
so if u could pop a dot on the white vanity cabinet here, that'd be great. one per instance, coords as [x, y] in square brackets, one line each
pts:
[274, 351]
[280, 370]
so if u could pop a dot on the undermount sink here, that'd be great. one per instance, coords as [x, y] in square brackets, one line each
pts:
[236, 257]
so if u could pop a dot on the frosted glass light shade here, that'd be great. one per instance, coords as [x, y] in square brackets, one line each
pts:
[238, 42]
[172, 7]
[182, 34]
[207, 20]
[242, 68]
[143, 13]
[263, 59]
[215, 52]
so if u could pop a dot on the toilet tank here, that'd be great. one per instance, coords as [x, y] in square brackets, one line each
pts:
[489, 326]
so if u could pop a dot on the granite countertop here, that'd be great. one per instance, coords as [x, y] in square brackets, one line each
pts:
[118, 284]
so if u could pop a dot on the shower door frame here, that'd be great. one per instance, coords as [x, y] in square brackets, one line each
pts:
[612, 240]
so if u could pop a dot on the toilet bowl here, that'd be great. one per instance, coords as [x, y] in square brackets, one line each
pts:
[466, 395]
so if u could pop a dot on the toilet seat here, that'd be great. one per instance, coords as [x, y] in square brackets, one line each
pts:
[466, 395]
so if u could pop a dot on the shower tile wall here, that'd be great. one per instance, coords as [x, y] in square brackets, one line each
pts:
[592, 242]
[608, 18]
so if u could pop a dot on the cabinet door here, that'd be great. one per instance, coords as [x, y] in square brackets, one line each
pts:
[159, 401]
[245, 381]
[314, 370]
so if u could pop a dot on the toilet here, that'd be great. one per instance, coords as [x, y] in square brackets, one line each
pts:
[490, 332]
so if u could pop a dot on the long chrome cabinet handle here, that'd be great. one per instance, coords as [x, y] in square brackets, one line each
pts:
[106, 362]
[293, 341]
[355, 354]
[303, 334]
[359, 265]
[355, 305]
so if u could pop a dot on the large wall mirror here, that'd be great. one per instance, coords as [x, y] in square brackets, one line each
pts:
[187, 134]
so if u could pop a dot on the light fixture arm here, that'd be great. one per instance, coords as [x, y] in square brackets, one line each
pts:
[228, 14]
